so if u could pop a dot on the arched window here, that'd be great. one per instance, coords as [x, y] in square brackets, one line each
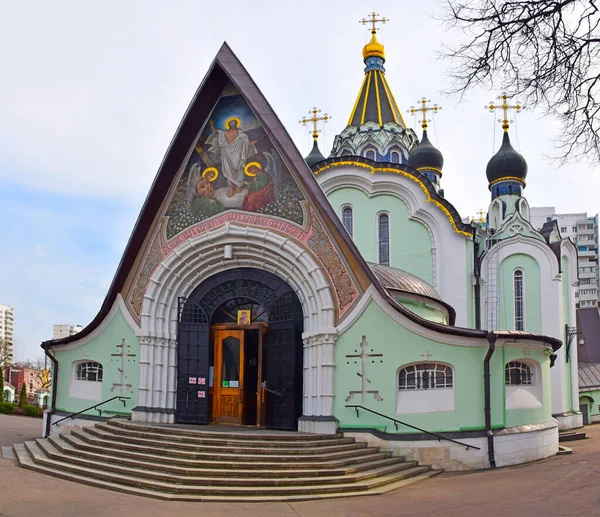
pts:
[395, 157]
[348, 220]
[370, 154]
[519, 297]
[346, 152]
[517, 373]
[425, 376]
[383, 239]
[89, 371]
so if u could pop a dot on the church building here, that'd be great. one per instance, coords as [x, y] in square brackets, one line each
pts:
[325, 295]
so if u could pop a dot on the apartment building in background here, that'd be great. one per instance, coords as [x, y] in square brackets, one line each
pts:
[66, 330]
[583, 231]
[7, 335]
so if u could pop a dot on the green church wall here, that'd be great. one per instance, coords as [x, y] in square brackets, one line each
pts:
[408, 348]
[515, 417]
[426, 312]
[404, 348]
[103, 349]
[531, 272]
[416, 258]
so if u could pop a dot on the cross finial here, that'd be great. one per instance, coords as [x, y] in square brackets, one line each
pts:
[314, 118]
[424, 109]
[491, 107]
[372, 18]
[481, 215]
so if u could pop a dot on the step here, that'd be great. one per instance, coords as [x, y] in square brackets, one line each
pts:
[207, 479]
[572, 436]
[241, 440]
[564, 451]
[40, 458]
[390, 483]
[224, 446]
[67, 449]
[227, 491]
[225, 455]
[150, 455]
[193, 430]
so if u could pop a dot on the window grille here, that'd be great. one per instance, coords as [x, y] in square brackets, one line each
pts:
[519, 300]
[89, 372]
[347, 220]
[425, 376]
[384, 239]
[517, 373]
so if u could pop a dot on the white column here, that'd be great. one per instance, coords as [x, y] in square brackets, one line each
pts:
[319, 368]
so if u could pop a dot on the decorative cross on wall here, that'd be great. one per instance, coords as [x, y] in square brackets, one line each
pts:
[364, 356]
[426, 355]
[122, 386]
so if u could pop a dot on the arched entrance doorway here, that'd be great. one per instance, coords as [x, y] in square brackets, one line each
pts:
[239, 347]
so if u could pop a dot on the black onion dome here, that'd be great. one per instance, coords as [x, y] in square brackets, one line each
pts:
[315, 156]
[506, 163]
[425, 155]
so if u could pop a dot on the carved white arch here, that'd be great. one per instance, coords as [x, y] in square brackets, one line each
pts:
[449, 249]
[201, 257]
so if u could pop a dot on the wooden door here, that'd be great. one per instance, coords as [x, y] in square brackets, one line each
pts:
[229, 376]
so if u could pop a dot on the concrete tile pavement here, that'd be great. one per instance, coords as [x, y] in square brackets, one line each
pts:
[559, 486]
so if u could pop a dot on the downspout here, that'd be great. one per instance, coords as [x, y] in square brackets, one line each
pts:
[477, 272]
[54, 391]
[487, 396]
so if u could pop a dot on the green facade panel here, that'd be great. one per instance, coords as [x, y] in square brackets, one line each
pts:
[410, 241]
[105, 350]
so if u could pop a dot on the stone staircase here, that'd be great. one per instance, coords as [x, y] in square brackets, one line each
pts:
[174, 463]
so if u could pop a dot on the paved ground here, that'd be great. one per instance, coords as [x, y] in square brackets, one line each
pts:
[17, 429]
[559, 486]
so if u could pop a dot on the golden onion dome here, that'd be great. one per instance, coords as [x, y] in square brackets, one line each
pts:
[373, 49]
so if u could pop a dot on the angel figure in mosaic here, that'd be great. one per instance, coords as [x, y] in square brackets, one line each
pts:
[261, 183]
[200, 192]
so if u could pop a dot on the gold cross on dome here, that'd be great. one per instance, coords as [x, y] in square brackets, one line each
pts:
[481, 214]
[491, 107]
[373, 19]
[315, 119]
[424, 109]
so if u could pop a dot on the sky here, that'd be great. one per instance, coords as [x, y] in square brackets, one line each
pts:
[91, 94]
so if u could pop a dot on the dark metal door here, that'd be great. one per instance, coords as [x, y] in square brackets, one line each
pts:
[193, 349]
[284, 364]
[584, 408]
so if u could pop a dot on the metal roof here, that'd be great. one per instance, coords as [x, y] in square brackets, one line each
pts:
[588, 323]
[589, 376]
[393, 278]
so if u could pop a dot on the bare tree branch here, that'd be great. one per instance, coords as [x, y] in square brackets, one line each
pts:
[547, 52]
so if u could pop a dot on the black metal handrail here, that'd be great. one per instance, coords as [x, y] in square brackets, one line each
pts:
[73, 415]
[396, 422]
